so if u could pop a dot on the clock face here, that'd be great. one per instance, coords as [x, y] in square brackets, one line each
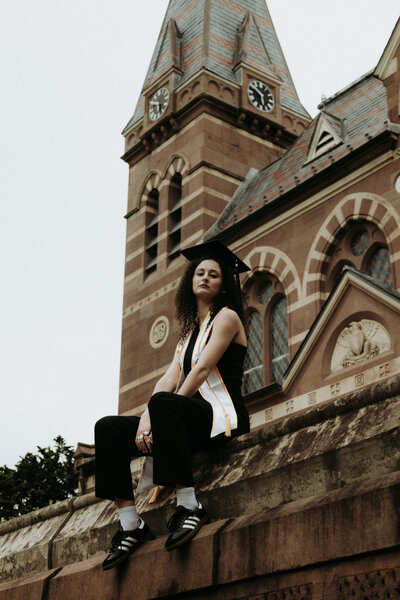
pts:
[158, 104]
[260, 95]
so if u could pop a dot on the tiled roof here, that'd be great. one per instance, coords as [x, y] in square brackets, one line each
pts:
[360, 113]
[211, 39]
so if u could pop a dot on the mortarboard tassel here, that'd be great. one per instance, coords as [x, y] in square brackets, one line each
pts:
[228, 432]
[154, 496]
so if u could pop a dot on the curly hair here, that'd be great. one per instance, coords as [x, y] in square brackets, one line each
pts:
[185, 300]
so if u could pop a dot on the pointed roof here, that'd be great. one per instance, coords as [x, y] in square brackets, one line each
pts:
[220, 36]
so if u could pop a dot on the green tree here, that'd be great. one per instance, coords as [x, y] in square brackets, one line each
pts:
[37, 480]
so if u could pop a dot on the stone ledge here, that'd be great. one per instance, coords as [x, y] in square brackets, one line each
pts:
[355, 439]
[385, 389]
[272, 549]
[324, 528]
[36, 516]
[244, 477]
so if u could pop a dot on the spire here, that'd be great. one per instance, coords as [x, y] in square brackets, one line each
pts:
[220, 36]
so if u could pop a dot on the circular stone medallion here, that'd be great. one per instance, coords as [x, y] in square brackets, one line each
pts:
[159, 332]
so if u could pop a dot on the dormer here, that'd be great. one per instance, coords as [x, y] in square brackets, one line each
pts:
[329, 133]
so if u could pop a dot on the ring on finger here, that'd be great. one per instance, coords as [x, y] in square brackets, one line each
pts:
[140, 437]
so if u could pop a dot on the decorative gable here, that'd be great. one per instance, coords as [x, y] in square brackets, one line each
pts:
[354, 342]
[388, 71]
[389, 63]
[355, 332]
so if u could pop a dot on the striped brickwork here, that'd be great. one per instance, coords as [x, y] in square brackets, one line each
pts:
[212, 159]
[361, 206]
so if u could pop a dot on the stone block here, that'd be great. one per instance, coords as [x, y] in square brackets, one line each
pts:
[180, 571]
[87, 533]
[27, 588]
[25, 542]
[84, 580]
[150, 572]
[324, 528]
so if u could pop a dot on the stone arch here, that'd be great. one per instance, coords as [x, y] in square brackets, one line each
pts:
[279, 264]
[362, 205]
[152, 181]
[176, 164]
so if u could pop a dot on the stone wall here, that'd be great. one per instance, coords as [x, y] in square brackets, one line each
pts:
[303, 508]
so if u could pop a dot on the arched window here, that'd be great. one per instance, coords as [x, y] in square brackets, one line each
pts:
[254, 362]
[174, 216]
[151, 234]
[379, 265]
[360, 244]
[267, 332]
[279, 339]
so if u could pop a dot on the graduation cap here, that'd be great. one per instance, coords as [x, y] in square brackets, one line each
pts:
[215, 249]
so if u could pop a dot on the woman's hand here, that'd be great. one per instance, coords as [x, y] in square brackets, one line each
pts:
[143, 435]
[167, 383]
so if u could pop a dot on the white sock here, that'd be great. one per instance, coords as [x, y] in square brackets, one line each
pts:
[187, 498]
[129, 518]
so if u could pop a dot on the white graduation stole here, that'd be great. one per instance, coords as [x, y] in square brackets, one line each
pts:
[213, 388]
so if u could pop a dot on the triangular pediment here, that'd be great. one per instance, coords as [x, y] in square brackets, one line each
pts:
[388, 63]
[329, 132]
[356, 329]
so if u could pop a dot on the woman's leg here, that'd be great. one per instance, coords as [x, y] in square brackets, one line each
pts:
[180, 426]
[115, 446]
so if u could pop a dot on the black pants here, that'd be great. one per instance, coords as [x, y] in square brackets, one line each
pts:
[180, 426]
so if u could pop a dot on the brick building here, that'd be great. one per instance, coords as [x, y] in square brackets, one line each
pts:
[220, 147]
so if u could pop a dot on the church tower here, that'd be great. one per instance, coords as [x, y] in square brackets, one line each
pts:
[217, 101]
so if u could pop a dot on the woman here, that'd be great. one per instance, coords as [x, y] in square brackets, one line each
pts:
[196, 403]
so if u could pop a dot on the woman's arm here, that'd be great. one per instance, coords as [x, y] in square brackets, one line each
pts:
[167, 383]
[225, 327]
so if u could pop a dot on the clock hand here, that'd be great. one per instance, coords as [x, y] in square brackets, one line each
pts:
[258, 92]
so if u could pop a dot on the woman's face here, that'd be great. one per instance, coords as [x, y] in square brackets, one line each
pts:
[207, 280]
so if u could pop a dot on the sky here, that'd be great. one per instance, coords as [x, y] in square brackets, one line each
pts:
[71, 73]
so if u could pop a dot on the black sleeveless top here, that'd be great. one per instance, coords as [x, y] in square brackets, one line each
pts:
[230, 367]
